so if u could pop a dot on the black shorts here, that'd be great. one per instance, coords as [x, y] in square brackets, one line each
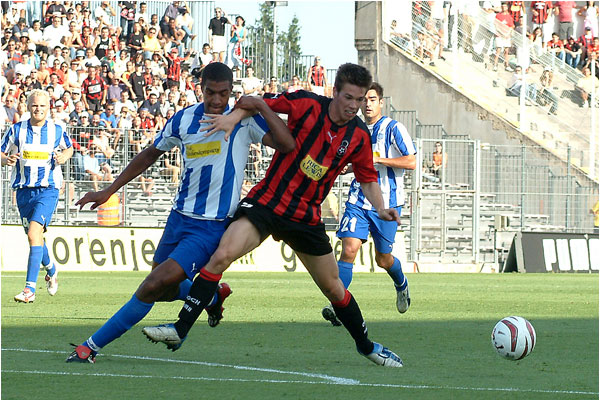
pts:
[309, 239]
[94, 105]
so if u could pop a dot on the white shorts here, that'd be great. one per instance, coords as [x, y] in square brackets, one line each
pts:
[502, 42]
[218, 44]
[319, 90]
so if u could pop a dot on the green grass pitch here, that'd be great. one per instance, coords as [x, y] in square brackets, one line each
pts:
[273, 343]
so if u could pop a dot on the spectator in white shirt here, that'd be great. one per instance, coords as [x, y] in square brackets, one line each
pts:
[101, 13]
[54, 34]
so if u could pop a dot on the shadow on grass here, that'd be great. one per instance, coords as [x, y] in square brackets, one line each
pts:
[443, 359]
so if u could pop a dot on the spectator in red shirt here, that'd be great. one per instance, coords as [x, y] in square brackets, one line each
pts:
[515, 8]
[564, 10]
[504, 26]
[94, 90]
[174, 69]
[556, 46]
[585, 41]
[539, 16]
[573, 52]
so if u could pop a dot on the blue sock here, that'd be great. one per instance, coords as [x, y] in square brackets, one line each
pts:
[345, 273]
[184, 289]
[129, 314]
[47, 263]
[396, 274]
[33, 266]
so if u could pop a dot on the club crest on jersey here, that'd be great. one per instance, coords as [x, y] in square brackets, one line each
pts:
[342, 149]
[312, 169]
[202, 149]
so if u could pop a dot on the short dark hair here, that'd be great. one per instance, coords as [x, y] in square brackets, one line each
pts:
[377, 88]
[353, 74]
[217, 72]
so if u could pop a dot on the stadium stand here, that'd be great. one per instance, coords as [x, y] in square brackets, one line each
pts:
[505, 155]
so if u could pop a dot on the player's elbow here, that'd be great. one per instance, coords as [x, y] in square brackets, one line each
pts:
[288, 146]
[412, 163]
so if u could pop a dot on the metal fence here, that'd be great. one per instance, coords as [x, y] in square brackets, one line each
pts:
[450, 208]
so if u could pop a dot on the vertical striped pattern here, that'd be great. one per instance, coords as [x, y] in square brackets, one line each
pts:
[213, 168]
[390, 139]
[37, 147]
[289, 191]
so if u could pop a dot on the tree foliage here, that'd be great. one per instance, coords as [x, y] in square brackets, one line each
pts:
[288, 46]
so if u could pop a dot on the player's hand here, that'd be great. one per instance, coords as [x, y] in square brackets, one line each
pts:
[97, 198]
[252, 103]
[389, 215]
[60, 157]
[218, 122]
[12, 159]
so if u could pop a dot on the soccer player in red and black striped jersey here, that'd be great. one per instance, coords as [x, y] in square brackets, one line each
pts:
[287, 204]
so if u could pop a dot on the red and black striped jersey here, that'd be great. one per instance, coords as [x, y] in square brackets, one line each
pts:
[297, 182]
[543, 8]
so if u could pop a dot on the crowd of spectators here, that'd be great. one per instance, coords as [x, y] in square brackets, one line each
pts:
[494, 32]
[115, 85]
[477, 27]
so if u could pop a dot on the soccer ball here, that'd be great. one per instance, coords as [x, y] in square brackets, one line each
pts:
[513, 338]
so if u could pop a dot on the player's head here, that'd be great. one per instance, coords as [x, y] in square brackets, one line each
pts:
[373, 103]
[351, 84]
[217, 84]
[38, 104]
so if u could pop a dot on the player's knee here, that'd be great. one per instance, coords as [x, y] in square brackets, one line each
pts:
[333, 289]
[34, 237]
[384, 260]
[151, 289]
[349, 253]
[222, 258]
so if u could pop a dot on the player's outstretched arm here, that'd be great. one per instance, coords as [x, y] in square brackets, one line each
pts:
[141, 162]
[406, 162]
[279, 136]
[373, 194]
[225, 123]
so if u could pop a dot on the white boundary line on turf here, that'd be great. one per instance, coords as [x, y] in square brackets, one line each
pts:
[330, 379]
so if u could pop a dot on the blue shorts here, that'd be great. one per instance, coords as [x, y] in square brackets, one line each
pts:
[357, 223]
[36, 204]
[189, 242]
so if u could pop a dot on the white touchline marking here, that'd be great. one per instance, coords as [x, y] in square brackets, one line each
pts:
[330, 379]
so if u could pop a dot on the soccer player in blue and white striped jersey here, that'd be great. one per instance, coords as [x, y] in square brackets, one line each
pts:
[36, 148]
[211, 179]
[393, 153]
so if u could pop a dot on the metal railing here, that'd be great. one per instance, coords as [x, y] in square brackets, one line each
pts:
[449, 212]
[549, 109]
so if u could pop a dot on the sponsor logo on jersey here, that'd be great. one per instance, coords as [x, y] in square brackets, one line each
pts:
[312, 169]
[202, 149]
[35, 155]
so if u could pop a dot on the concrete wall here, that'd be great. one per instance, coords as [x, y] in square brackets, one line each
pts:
[415, 88]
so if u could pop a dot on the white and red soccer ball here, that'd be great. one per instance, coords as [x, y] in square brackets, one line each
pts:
[513, 338]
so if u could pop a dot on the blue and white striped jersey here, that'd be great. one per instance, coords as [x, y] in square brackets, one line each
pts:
[389, 139]
[213, 169]
[37, 146]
